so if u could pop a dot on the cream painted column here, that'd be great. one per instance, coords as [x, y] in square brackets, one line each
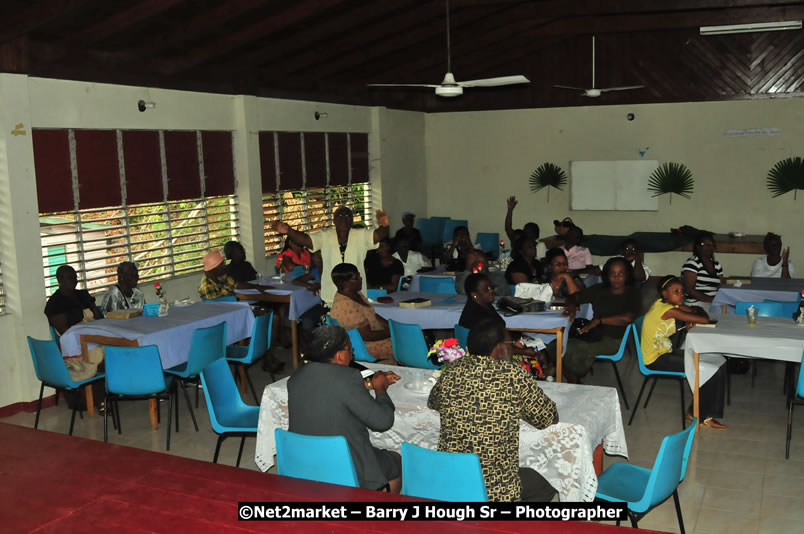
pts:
[20, 245]
[249, 180]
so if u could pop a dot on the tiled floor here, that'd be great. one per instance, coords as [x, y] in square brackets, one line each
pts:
[737, 479]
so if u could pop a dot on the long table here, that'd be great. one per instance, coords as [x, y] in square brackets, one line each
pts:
[563, 453]
[773, 338]
[445, 311]
[172, 334]
[758, 290]
[298, 299]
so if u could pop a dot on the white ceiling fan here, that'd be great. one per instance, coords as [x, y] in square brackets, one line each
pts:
[449, 87]
[595, 92]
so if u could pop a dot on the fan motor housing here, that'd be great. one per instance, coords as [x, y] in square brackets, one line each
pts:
[449, 90]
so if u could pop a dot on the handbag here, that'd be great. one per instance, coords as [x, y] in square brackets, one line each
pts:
[516, 305]
[543, 292]
[593, 335]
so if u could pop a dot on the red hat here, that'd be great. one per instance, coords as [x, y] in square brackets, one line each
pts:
[212, 260]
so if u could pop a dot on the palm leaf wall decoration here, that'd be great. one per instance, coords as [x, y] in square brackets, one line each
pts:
[672, 178]
[548, 175]
[787, 175]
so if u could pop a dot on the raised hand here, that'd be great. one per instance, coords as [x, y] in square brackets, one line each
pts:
[512, 202]
[786, 255]
[382, 218]
[279, 226]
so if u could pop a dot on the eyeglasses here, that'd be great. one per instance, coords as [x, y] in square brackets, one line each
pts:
[706, 244]
[629, 249]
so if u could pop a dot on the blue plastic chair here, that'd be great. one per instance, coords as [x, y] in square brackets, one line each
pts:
[656, 375]
[410, 347]
[330, 321]
[796, 398]
[788, 307]
[257, 348]
[135, 373]
[643, 489]
[297, 272]
[437, 284]
[461, 334]
[614, 358]
[227, 298]
[228, 414]
[51, 371]
[359, 346]
[320, 458]
[768, 309]
[373, 294]
[444, 476]
[207, 345]
[431, 235]
[450, 226]
[489, 242]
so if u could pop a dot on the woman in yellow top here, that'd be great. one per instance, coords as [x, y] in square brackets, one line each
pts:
[662, 345]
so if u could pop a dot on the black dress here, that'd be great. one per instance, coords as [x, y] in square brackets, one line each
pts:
[73, 307]
[473, 313]
[533, 270]
[377, 274]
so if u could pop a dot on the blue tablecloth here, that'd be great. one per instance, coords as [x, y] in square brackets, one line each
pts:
[171, 333]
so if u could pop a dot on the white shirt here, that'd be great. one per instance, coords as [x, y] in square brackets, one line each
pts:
[416, 261]
[448, 244]
[361, 240]
[761, 269]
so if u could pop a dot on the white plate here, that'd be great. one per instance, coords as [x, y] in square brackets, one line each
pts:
[410, 386]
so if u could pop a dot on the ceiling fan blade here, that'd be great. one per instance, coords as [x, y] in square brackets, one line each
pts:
[626, 88]
[401, 85]
[493, 82]
[570, 87]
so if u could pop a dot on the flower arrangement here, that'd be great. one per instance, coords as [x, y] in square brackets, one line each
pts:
[160, 291]
[446, 351]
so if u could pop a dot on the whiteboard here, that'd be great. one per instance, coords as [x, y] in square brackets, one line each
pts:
[612, 185]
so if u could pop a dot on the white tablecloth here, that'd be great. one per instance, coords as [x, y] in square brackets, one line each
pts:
[757, 291]
[562, 453]
[172, 333]
[773, 338]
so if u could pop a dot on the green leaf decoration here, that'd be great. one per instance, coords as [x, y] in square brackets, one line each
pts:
[548, 175]
[787, 175]
[673, 178]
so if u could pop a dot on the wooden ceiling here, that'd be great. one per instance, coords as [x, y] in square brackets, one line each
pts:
[328, 50]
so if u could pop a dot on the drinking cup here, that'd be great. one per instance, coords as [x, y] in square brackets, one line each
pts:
[751, 313]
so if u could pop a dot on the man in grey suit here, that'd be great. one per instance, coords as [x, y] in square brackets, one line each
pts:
[327, 397]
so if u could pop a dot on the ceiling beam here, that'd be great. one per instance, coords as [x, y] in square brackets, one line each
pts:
[296, 12]
[120, 21]
[315, 36]
[80, 59]
[396, 47]
[202, 22]
[36, 16]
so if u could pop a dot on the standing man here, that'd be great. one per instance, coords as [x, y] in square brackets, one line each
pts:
[481, 399]
[340, 244]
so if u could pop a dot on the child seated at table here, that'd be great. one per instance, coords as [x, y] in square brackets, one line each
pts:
[662, 340]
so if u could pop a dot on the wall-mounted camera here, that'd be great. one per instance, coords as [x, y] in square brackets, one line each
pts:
[630, 116]
[142, 105]
[318, 115]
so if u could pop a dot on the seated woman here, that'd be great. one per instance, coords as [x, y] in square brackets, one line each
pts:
[352, 310]
[701, 273]
[526, 267]
[480, 306]
[579, 257]
[293, 255]
[563, 284]
[455, 252]
[312, 283]
[616, 304]
[776, 263]
[662, 345]
[68, 305]
[124, 294]
[383, 271]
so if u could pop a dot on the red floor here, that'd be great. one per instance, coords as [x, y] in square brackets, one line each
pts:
[56, 483]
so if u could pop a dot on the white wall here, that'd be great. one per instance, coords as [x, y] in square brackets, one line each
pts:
[476, 159]
[45, 103]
